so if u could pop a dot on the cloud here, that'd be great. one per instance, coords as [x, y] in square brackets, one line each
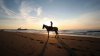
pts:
[29, 9]
[5, 11]
[25, 9]
[38, 11]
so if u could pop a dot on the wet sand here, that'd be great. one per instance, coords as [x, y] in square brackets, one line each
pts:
[33, 44]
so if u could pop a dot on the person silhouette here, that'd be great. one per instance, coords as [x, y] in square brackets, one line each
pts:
[51, 23]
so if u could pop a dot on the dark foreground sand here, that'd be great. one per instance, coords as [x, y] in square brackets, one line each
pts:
[33, 44]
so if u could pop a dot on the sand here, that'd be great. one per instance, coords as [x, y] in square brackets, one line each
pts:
[33, 44]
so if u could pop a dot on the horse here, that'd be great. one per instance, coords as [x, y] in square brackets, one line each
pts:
[49, 28]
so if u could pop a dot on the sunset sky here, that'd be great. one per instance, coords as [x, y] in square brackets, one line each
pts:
[65, 14]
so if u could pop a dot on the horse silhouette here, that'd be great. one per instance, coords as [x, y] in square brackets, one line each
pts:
[49, 28]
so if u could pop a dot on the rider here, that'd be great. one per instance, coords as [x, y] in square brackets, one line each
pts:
[51, 23]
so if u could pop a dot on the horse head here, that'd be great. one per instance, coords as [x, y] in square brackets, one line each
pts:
[43, 26]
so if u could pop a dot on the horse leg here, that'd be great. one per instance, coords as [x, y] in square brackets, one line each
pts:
[48, 34]
[56, 33]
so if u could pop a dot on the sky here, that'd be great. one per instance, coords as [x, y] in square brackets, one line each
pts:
[65, 14]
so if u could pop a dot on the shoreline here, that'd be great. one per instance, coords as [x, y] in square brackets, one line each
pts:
[44, 32]
[65, 34]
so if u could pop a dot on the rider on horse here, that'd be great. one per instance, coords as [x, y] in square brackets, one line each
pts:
[50, 28]
[51, 23]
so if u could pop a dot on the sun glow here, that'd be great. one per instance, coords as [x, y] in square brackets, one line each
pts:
[46, 21]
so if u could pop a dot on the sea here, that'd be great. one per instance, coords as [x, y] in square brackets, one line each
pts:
[84, 33]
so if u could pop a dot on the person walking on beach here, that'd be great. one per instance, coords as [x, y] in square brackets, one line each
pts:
[51, 23]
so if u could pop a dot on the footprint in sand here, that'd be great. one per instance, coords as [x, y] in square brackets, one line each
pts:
[59, 46]
[24, 37]
[79, 40]
[52, 43]
[52, 37]
[72, 39]
[63, 38]
[74, 49]
[41, 42]
[31, 38]
[38, 40]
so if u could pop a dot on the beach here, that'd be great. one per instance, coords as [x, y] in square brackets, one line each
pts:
[34, 44]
